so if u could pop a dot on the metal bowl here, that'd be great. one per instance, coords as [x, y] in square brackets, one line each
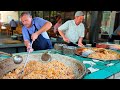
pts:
[69, 50]
[59, 46]
[14, 37]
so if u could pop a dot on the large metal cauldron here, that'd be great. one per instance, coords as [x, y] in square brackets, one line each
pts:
[79, 69]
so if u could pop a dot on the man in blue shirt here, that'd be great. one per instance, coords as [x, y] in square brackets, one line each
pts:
[34, 29]
[13, 25]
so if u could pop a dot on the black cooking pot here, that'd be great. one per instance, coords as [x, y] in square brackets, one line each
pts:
[20, 37]
[14, 37]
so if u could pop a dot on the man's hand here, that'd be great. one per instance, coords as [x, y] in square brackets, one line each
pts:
[66, 39]
[34, 36]
[63, 36]
[80, 45]
[29, 49]
[80, 42]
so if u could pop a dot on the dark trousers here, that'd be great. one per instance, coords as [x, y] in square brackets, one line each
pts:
[13, 28]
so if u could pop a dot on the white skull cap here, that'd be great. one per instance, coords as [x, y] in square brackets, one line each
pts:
[79, 13]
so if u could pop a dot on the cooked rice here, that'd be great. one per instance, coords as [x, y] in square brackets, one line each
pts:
[38, 70]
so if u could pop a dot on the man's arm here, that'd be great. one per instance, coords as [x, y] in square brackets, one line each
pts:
[55, 28]
[118, 32]
[80, 42]
[81, 36]
[44, 28]
[27, 43]
[63, 28]
[63, 36]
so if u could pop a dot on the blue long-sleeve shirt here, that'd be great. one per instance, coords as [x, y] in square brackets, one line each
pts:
[39, 22]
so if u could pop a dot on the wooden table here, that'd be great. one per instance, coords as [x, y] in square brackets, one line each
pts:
[3, 31]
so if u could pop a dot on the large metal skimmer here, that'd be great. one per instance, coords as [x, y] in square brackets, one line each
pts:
[46, 57]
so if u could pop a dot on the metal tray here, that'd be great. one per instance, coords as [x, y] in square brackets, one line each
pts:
[95, 58]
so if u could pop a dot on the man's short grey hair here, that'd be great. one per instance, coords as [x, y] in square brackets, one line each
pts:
[25, 13]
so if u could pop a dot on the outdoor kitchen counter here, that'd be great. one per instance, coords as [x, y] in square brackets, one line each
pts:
[99, 69]
[12, 48]
[15, 46]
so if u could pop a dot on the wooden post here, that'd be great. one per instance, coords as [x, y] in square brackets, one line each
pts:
[86, 19]
[99, 20]
[112, 22]
[96, 18]
[43, 15]
[49, 15]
